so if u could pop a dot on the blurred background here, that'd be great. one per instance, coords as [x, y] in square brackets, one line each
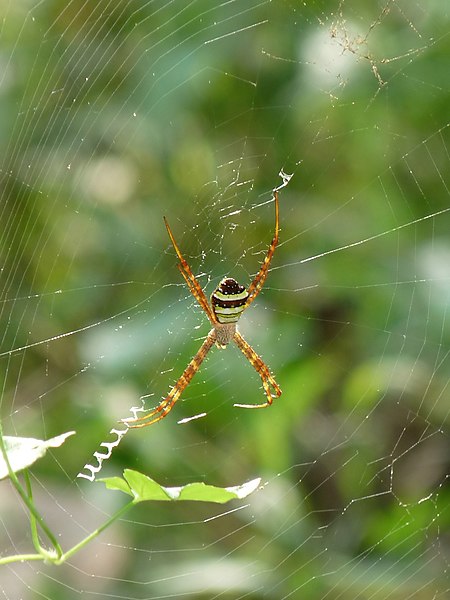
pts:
[115, 114]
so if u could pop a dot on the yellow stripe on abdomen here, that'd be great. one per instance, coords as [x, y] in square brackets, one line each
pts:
[228, 300]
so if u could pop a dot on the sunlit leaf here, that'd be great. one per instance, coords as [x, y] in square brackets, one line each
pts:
[23, 452]
[141, 488]
[116, 483]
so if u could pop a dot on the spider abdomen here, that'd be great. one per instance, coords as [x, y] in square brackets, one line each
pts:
[228, 300]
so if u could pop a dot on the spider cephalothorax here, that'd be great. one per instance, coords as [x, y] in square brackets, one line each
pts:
[228, 302]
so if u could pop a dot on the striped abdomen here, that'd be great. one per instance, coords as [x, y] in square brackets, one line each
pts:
[228, 300]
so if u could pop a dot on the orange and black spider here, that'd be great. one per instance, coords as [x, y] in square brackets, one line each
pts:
[228, 302]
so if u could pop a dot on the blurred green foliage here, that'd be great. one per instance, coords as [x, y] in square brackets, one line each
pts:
[115, 114]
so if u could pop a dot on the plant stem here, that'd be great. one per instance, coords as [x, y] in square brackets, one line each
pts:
[21, 558]
[36, 515]
[57, 556]
[30, 505]
[61, 558]
[33, 523]
[94, 534]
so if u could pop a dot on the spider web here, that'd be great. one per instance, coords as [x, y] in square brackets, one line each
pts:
[117, 114]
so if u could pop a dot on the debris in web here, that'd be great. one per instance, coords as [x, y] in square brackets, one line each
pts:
[188, 419]
[93, 470]
[286, 177]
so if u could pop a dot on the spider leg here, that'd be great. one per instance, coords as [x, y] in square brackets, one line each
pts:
[166, 405]
[259, 365]
[189, 277]
[256, 285]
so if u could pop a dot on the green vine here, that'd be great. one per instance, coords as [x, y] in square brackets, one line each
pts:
[140, 487]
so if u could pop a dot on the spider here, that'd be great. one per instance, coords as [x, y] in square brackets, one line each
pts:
[228, 302]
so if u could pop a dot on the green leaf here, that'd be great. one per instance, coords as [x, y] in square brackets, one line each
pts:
[116, 483]
[142, 488]
[23, 452]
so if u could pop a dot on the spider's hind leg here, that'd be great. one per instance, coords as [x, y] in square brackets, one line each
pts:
[166, 405]
[259, 365]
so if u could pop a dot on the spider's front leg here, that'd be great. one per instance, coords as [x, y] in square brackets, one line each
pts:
[256, 285]
[260, 366]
